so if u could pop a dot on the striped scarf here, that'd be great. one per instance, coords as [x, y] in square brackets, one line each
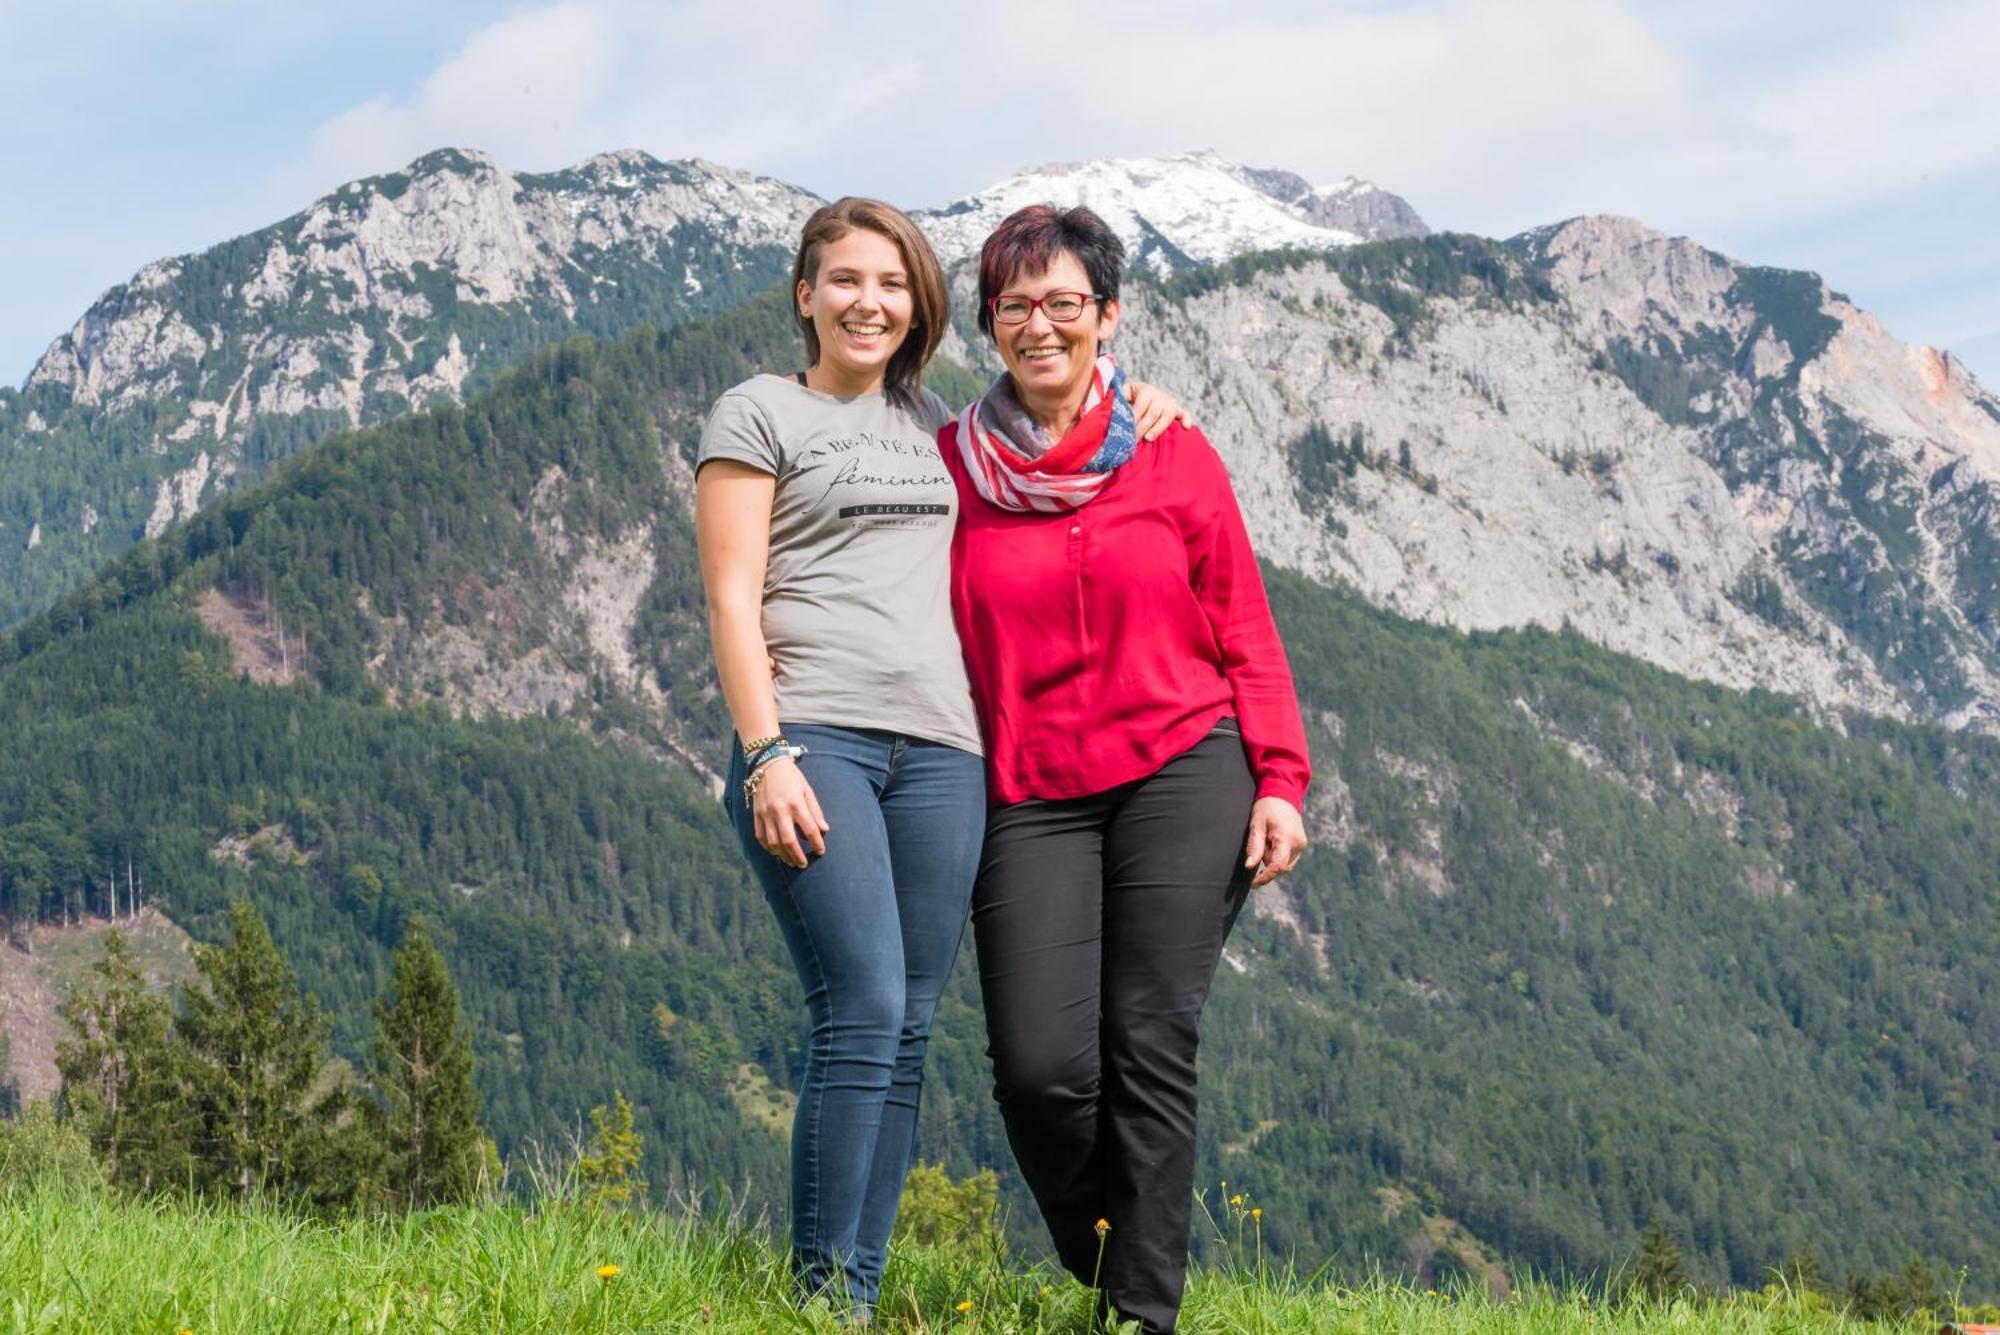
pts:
[1015, 466]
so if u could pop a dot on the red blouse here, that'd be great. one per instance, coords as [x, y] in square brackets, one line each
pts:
[1103, 641]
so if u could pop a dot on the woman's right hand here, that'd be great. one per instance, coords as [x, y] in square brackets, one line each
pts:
[782, 807]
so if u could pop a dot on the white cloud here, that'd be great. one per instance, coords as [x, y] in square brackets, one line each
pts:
[1494, 115]
[1455, 100]
[1487, 112]
[524, 88]
[1739, 124]
[921, 102]
[1921, 105]
[548, 87]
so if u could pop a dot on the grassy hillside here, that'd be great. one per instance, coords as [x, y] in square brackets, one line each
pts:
[1582, 944]
[76, 1263]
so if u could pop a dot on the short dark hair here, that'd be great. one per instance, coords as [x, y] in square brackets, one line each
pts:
[1028, 240]
[903, 379]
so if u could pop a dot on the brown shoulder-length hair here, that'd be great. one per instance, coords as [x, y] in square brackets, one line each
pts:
[930, 299]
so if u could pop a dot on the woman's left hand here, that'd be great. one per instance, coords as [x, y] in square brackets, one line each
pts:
[1153, 409]
[1277, 839]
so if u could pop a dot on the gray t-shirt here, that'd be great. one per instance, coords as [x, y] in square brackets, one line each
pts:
[857, 590]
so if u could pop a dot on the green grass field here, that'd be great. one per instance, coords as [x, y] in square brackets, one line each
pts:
[74, 1261]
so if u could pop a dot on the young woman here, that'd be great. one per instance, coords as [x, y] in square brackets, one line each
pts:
[1146, 758]
[824, 516]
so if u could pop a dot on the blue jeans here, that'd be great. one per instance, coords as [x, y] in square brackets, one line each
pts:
[873, 927]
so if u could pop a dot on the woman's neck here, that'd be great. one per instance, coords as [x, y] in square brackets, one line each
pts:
[828, 379]
[1054, 415]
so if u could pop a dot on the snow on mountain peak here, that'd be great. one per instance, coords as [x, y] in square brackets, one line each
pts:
[1193, 207]
[619, 159]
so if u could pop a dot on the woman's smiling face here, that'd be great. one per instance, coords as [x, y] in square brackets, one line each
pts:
[1051, 362]
[860, 306]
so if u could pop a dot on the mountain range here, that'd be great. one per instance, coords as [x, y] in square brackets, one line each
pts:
[1641, 603]
[1730, 471]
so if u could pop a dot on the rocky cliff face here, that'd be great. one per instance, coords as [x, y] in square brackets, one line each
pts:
[1350, 205]
[1730, 472]
[386, 295]
[338, 302]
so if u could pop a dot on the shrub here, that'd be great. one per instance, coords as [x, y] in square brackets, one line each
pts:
[938, 1212]
[38, 1150]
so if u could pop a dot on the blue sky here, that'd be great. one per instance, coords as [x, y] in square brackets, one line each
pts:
[1861, 140]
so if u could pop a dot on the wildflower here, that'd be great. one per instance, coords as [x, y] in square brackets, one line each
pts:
[1258, 1214]
[965, 1306]
[1237, 1200]
[607, 1273]
[1103, 1227]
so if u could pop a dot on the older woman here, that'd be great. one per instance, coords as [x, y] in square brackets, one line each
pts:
[1139, 718]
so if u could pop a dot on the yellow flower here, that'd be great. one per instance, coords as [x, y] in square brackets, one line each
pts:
[1258, 1214]
[965, 1306]
[1237, 1200]
[1103, 1227]
[607, 1273]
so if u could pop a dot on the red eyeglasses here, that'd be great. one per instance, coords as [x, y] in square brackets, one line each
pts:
[1060, 307]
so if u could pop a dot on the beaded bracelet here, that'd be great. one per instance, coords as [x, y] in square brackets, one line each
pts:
[752, 748]
[763, 765]
[764, 754]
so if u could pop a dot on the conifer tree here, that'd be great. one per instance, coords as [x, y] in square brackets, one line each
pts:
[434, 1148]
[122, 1074]
[1804, 1272]
[1657, 1270]
[256, 1049]
[609, 1167]
[1921, 1288]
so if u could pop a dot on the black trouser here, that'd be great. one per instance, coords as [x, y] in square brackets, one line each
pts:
[1100, 921]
